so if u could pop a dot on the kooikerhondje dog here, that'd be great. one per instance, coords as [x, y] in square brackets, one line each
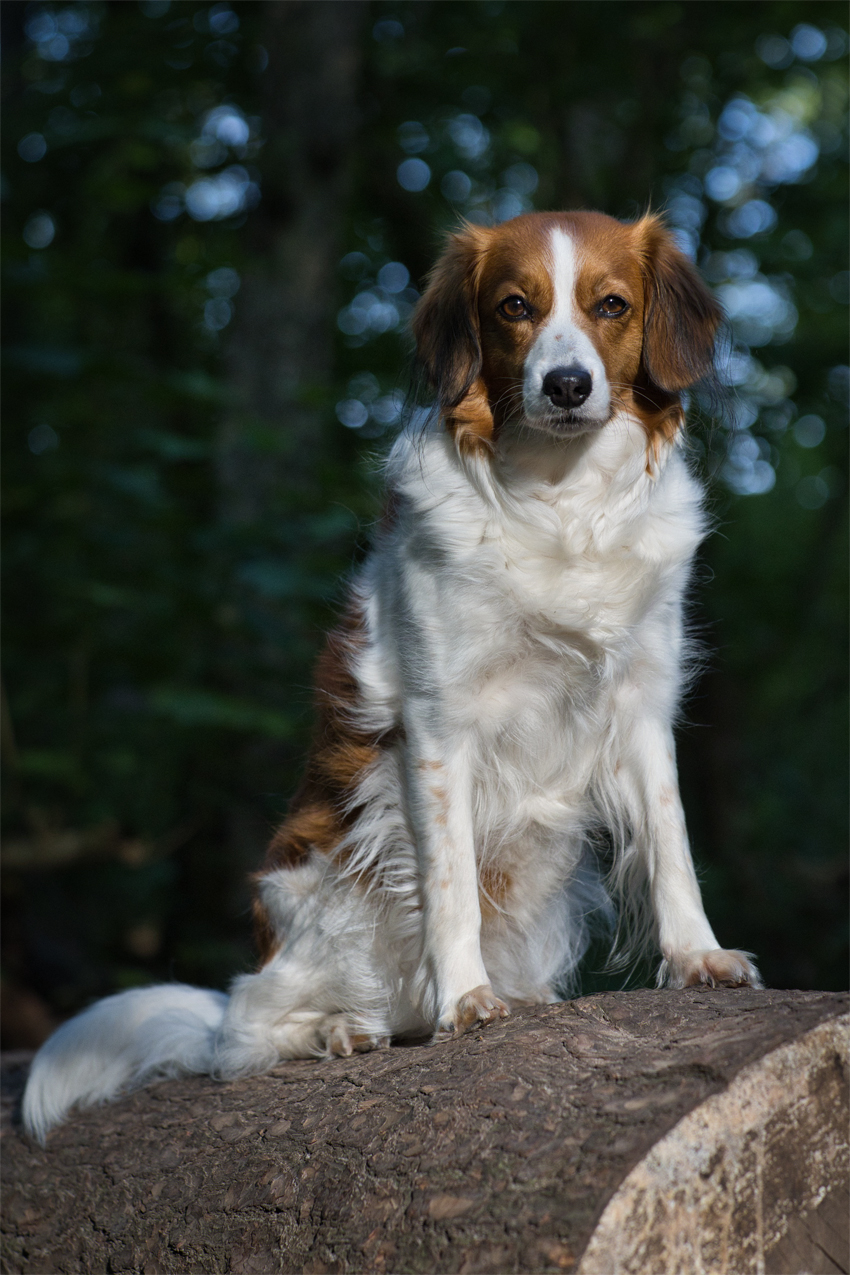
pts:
[503, 683]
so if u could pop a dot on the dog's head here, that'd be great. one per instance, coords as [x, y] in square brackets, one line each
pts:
[560, 320]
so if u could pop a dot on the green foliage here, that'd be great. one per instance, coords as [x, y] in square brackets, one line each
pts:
[158, 650]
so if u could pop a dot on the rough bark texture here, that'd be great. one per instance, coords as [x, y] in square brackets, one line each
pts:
[513, 1148]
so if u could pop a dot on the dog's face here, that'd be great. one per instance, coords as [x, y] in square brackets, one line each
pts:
[560, 320]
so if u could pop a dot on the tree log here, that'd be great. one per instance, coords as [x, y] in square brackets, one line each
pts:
[701, 1130]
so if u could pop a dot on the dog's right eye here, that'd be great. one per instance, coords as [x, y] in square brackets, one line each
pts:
[514, 308]
[612, 306]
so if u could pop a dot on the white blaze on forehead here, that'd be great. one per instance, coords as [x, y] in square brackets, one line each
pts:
[564, 275]
[563, 342]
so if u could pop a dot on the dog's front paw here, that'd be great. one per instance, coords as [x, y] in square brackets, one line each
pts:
[477, 1007]
[710, 968]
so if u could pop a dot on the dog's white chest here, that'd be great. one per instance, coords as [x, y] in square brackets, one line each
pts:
[577, 596]
[527, 612]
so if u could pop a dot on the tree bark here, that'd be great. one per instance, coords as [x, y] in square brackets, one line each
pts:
[631, 1131]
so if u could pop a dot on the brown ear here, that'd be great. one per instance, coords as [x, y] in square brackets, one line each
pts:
[681, 314]
[448, 345]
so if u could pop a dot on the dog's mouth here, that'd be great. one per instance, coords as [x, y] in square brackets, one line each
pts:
[538, 413]
[565, 422]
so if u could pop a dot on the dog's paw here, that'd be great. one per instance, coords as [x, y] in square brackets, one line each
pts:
[710, 968]
[477, 1007]
[342, 1039]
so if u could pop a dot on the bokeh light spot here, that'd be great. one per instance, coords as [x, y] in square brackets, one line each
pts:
[413, 137]
[217, 314]
[413, 174]
[32, 148]
[394, 277]
[222, 19]
[39, 231]
[386, 30]
[809, 431]
[223, 282]
[775, 51]
[469, 135]
[456, 186]
[352, 413]
[43, 438]
[809, 43]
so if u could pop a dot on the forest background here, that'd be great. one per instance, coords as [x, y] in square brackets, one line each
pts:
[217, 219]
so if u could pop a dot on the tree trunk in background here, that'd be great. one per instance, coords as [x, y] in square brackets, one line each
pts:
[280, 356]
[639, 1132]
[282, 342]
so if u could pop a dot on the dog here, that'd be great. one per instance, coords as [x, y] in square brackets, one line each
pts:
[501, 688]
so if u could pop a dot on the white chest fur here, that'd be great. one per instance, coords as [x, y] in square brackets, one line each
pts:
[511, 604]
[512, 562]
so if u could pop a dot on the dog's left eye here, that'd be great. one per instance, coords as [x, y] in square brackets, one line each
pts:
[514, 308]
[611, 306]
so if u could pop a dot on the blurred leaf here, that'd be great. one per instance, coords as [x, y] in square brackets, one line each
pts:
[192, 707]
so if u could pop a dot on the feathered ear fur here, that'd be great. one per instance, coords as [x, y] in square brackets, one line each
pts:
[448, 342]
[681, 316]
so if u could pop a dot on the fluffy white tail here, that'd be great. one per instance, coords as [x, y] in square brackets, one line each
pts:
[118, 1044]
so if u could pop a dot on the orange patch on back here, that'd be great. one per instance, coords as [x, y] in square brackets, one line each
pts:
[321, 810]
[308, 828]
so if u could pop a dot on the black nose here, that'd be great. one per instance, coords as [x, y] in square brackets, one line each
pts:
[567, 386]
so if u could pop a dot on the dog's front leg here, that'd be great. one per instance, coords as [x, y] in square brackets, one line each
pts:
[459, 992]
[649, 783]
